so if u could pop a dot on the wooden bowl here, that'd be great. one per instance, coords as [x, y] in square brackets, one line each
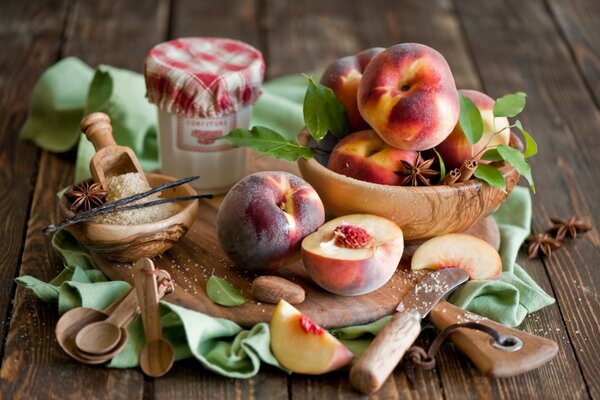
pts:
[128, 243]
[422, 212]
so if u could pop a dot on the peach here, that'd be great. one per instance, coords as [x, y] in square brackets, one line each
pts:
[456, 149]
[458, 250]
[408, 96]
[364, 156]
[343, 77]
[302, 346]
[264, 217]
[354, 254]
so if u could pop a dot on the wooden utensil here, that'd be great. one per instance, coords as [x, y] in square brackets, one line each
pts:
[110, 159]
[103, 336]
[387, 349]
[521, 352]
[71, 322]
[158, 355]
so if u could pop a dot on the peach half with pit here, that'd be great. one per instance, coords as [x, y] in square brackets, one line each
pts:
[353, 255]
[365, 156]
[408, 96]
[302, 346]
[343, 76]
[456, 149]
[264, 217]
[459, 250]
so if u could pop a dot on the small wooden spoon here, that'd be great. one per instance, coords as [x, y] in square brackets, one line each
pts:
[71, 322]
[110, 159]
[103, 336]
[158, 355]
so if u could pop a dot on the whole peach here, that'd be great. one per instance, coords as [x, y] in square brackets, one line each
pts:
[408, 96]
[364, 156]
[455, 149]
[343, 77]
[264, 217]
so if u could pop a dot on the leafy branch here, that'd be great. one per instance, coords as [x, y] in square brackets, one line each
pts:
[323, 114]
[471, 122]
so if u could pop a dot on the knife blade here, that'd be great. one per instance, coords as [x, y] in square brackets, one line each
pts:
[387, 349]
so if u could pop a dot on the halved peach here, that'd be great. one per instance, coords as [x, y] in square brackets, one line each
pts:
[458, 250]
[354, 254]
[302, 346]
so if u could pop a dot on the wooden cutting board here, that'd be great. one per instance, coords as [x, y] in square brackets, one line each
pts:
[198, 256]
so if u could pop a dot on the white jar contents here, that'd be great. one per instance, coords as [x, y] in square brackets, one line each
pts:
[204, 88]
[189, 146]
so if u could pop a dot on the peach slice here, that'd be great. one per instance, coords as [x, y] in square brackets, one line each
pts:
[302, 346]
[354, 254]
[458, 250]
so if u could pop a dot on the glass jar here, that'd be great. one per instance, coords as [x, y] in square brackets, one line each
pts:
[204, 88]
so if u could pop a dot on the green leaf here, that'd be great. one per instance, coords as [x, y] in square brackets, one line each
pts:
[516, 159]
[323, 112]
[442, 165]
[531, 148]
[470, 119]
[510, 105]
[490, 175]
[268, 142]
[492, 155]
[222, 292]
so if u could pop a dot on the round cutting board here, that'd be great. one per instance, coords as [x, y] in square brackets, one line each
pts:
[198, 256]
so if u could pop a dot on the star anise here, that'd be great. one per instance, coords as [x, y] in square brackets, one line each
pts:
[85, 196]
[568, 227]
[417, 172]
[542, 243]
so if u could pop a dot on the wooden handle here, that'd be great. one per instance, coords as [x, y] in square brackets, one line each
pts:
[98, 130]
[385, 352]
[477, 345]
[124, 312]
[146, 289]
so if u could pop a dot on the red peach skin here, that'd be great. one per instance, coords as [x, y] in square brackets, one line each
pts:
[343, 77]
[364, 156]
[408, 96]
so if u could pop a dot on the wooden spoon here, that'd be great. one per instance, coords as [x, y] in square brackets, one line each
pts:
[73, 321]
[110, 159]
[158, 355]
[103, 336]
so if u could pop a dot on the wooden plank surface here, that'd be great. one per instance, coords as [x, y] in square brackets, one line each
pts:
[548, 49]
[29, 46]
[566, 122]
[33, 362]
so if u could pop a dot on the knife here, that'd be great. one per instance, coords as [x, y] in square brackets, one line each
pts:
[387, 349]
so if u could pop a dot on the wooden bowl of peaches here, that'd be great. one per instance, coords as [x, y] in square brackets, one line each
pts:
[401, 104]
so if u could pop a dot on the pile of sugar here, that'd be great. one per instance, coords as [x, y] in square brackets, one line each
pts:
[121, 186]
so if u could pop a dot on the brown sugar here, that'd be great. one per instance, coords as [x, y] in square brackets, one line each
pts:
[121, 186]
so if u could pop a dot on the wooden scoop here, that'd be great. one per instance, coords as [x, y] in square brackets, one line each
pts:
[158, 355]
[103, 336]
[110, 159]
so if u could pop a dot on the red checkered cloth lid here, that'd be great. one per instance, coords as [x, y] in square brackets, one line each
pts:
[203, 77]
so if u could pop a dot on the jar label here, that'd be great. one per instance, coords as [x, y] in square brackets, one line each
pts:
[200, 134]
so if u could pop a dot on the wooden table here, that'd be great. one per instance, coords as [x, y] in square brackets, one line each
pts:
[549, 49]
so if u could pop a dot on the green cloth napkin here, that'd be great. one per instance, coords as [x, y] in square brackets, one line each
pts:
[220, 345]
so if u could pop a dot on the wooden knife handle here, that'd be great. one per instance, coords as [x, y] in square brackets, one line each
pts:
[385, 352]
[492, 361]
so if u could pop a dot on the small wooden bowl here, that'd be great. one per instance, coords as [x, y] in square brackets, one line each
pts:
[128, 243]
[422, 212]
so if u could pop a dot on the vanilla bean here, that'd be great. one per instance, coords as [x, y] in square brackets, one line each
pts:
[111, 206]
[139, 196]
[467, 170]
[451, 177]
[126, 207]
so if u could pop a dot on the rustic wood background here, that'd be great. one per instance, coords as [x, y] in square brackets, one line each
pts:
[547, 48]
